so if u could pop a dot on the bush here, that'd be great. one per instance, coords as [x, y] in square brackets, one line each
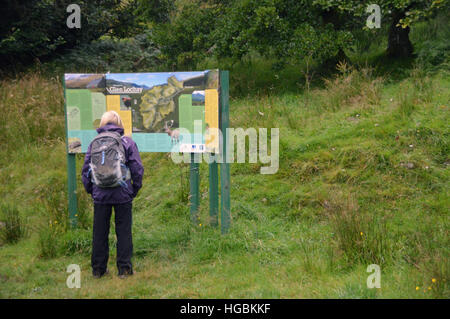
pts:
[13, 226]
[126, 55]
[431, 43]
[435, 55]
[37, 29]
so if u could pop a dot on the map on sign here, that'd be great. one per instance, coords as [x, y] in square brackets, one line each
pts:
[162, 112]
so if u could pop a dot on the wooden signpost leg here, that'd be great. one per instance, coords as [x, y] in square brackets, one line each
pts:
[194, 189]
[225, 214]
[72, 188]
[71, 171]
[213, 193]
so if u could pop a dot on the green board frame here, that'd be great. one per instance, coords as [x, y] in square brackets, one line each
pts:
[225, 211]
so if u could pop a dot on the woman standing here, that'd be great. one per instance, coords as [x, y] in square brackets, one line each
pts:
[110, 146]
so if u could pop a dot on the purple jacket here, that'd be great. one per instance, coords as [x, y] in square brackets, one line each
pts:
[116, 195]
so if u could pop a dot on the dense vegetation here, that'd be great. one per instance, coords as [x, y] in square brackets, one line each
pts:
[181, 34]
[364, 152]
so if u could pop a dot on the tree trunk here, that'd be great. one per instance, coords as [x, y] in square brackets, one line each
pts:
[399, 44]
[331, 62]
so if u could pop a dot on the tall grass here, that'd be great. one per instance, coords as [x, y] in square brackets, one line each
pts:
[13, 226]
[362, 237]
[351, 86]
[31, 111]
[415, 91]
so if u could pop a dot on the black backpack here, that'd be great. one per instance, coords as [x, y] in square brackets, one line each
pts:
[108, 161]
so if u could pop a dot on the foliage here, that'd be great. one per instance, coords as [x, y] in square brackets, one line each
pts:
[185, 39]
[234, 29]
[415, 10]
[135, 54]
[401, 14]
[154, 11]
[37, 29]
[433, 49]
[318, 45]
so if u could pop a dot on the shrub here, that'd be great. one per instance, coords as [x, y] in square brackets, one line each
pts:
[107, 54]
[435, 55]
[13, 226]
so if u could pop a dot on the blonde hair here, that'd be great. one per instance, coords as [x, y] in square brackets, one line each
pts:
[111, 117]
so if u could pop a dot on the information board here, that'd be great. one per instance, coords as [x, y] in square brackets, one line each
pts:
[162, 112]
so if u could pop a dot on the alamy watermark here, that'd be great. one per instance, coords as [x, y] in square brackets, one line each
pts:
[74, 279]
[374, 279]
[74, 19]
[374, 20]
[235, 139]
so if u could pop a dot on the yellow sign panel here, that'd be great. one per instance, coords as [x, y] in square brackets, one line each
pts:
[113, 103]
[126, 121]
[212, 119]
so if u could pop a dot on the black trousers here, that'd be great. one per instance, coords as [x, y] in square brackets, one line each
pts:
[100, 245]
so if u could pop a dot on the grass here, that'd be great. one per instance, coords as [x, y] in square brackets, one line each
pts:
[12, 228]
[365, 181]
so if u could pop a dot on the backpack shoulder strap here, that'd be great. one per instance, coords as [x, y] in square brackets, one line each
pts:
[114, 135]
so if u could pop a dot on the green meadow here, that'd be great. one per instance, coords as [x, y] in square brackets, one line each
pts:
[363, 179]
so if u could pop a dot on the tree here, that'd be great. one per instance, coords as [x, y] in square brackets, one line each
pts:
[154, 11]
[233, 28]
[186, 37]
[401, 14]
[37, 28]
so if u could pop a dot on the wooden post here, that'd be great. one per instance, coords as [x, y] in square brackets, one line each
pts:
[225, 214]
[194, 188]
[72, 188]
[71, 171]
[213, 193]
